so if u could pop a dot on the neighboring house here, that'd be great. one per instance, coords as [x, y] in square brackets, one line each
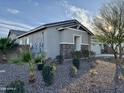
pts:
[59, 38]
[13, 34]
[96, 46]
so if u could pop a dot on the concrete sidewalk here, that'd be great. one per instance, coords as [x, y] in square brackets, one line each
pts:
[106, 55]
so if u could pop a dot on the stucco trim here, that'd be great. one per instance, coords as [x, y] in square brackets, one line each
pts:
[72, 43]
[66, 43]
[84, 44]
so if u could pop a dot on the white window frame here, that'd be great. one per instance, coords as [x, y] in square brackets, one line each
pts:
[20, 42]
[28, 41]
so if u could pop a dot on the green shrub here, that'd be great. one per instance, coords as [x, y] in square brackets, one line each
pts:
[85, 53]
[37, 60]
[48, 74]
[76, 54]
[59, 59]
[73, 71]
[40, 58]
[53, 66]
[92, 53]
[16, 60]
[40, 66]
[15, 87]
[76, 63]
[26, 56]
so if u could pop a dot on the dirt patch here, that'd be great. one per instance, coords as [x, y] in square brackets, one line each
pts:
[102, 82]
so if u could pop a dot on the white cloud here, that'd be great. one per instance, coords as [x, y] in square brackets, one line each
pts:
[79, 14]
[13, 11]
[5, 26]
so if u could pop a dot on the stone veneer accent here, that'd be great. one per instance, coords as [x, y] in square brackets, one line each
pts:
[66, 50]
[84, 47]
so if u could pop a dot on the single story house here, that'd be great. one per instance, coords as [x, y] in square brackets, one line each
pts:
[59, 38]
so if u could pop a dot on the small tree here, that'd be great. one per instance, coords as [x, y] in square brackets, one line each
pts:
[48, 73]
[26, 57]
[40, 60]
[110, 29]
[76, 59]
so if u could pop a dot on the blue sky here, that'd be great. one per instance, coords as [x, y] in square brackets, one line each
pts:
[27, 14]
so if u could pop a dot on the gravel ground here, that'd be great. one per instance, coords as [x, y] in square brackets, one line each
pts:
[82, 83]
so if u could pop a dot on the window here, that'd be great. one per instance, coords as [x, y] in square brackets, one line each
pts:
[28, 41]
[20, 42]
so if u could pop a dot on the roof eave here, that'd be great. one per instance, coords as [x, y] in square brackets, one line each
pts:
[52, 25]
[32, 31]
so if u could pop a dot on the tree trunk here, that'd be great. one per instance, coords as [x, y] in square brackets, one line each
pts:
[31, 73]
[120, 52]
[117, 73]
[115, 55]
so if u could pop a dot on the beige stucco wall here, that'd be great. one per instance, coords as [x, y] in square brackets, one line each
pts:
[36, 40]
[53, 42]
[53, 38]
[68, 36]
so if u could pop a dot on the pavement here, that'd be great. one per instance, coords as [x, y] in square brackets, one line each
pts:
[106, 55]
